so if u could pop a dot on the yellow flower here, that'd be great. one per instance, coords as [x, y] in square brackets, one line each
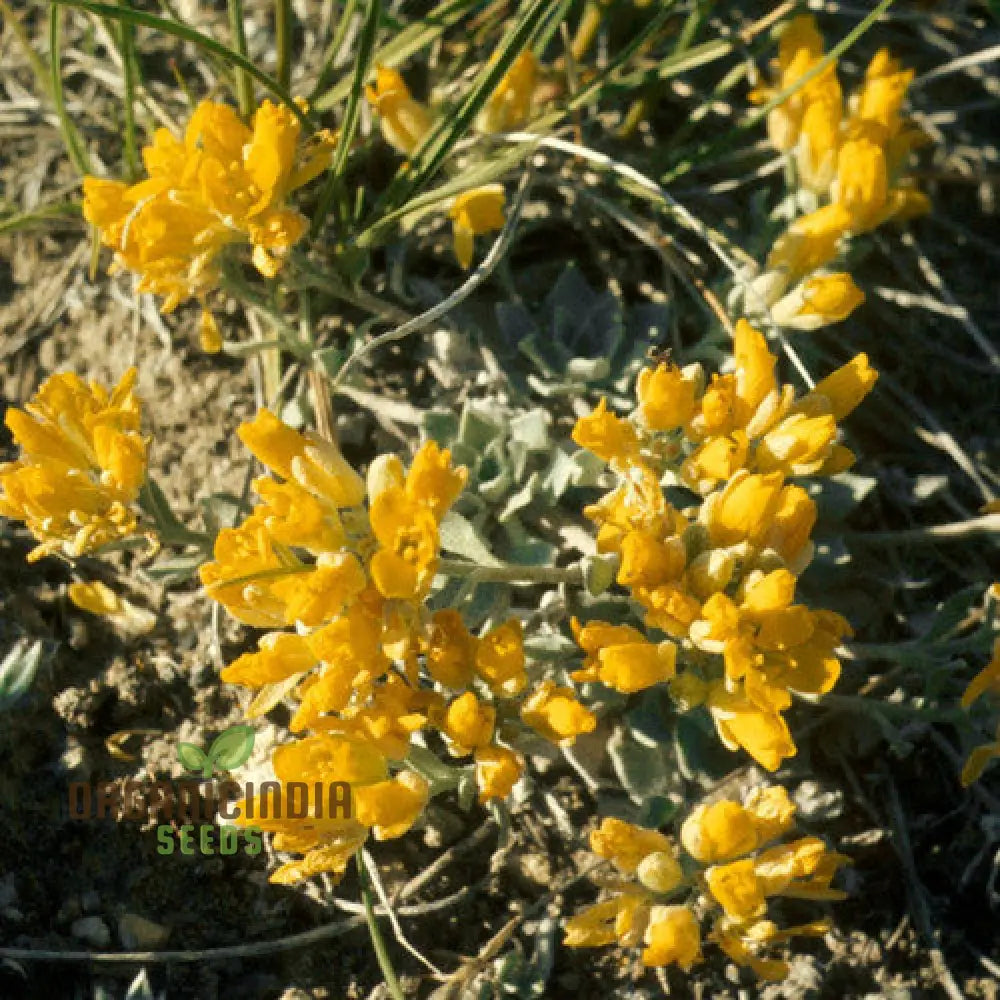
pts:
[473, 213]
[819, 136]
[647, 561]
[843, 390]
[636, 666]
[468, 723]
[82, 463]
[99, 599]
[224, 183]
[407, 532]
[798, 446]
[625, 844]
[725, 829]
[741, 510]
[555, 713]
[800, 48]
[404, 121]
[497, 771]
[500, 659]
[740, 887]
[666, 397]
[672, 936]
[210, 337]
[619, 919]
[979, 759]
[433, 480]
[450, 652]
[883, 92]
[391, 807]
[737, 889]
[318, 596]
[279, 655]
[741, 940]
[719, 832]
[509, 106]
[987, 680]
[313, 462]
[607, 436]
[862, 185]
[818, 302]
[763, 734]
[810, 242]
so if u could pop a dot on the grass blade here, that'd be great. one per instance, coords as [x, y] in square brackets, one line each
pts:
[411, 39]
[244, 84]
[439, 142]
[74, 143]
[352, 114]
[707, 151]
[202, 41]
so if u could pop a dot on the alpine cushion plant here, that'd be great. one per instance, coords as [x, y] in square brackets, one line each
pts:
[410, 674]
[716, 580]
[225, 183]
[82, 464]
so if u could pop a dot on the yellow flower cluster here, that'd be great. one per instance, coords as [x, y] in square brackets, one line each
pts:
[224, 183]
[83, 461]
[849, 156]
[349, 564]
[718, 580]
[986, 682]
[726, 870]
[405, 122]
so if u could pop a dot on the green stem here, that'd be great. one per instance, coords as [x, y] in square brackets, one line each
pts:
[378, 942]
[988, 524]
[34, 60]
[512, 573]
[129, 75]
[283, 40]
[244, 85]
[70, 135]
[336, 43]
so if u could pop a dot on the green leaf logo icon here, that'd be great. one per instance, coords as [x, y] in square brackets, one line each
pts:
[192, 757]
[228, 750]
[232, 748]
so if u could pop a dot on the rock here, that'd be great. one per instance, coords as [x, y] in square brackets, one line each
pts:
[92, 930]
[90, 900]
[138, 933]
[817, 804]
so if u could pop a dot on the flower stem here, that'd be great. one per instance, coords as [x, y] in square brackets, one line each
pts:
[244, 85]
[511, 573]
[378, 942]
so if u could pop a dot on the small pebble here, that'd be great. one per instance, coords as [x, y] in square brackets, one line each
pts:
[93, 930]
[138, 933]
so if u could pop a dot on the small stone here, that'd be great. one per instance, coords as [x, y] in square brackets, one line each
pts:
[90, 901]
[817, 804]
[92, 930]
[141, 934]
